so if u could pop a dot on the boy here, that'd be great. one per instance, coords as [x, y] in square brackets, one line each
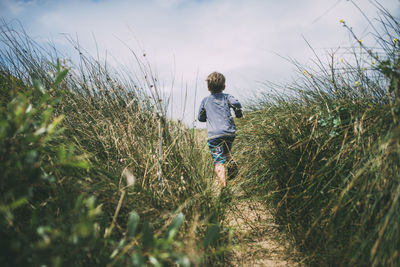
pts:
[215, 109]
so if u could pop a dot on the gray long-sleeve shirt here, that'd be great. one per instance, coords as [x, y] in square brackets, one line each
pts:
[215, 109]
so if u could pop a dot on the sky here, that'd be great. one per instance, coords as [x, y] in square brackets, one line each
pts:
[185, 40]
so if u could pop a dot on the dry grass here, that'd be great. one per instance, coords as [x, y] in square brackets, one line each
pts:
[117, 121]
[326, 155]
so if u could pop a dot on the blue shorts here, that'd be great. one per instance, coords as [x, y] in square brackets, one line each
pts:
[220, 148]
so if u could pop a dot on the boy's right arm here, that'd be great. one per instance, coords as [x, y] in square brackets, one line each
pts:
[235, 104]
[202, 116]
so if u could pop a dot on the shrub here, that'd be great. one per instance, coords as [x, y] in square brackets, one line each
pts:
[80, 150]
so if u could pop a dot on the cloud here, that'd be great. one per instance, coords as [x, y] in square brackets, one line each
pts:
[191, 38]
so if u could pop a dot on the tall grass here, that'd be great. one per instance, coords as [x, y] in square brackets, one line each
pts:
[106, 150]
[325, 155]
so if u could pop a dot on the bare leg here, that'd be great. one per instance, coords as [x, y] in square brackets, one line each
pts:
[221, 174]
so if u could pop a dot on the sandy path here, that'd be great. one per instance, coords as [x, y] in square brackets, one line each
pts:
[258, 241]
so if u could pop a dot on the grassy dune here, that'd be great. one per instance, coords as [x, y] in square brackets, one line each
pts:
[84, 180]
[326, 155]
[93, 173]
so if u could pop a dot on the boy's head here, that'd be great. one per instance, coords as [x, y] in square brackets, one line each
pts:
[216, 82]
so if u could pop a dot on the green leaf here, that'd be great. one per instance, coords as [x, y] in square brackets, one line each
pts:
[114, 253]
[183, 261]
[147, 237]
[31, 157]
[54, 123]
[60, 76]
[40, 131]
[173, 228]
[336, 122]
[133, 223]
[137, 258]
[38, 85]
[19, 202]
[155, 262]
[211, 235]
[61, 153]
[56, 66]
[90, 202]
[78, 163]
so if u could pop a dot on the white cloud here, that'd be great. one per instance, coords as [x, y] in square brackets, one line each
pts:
[236, 37]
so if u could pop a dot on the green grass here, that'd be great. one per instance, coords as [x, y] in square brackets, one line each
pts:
[80, 151]
[325, 156]
[84, 181]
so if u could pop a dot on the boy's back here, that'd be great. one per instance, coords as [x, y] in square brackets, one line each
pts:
[215, 111]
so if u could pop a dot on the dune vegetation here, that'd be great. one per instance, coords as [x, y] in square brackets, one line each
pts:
[326, 152]
[93, 173]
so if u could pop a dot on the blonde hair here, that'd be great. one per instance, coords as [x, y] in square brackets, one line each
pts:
[216, 82]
